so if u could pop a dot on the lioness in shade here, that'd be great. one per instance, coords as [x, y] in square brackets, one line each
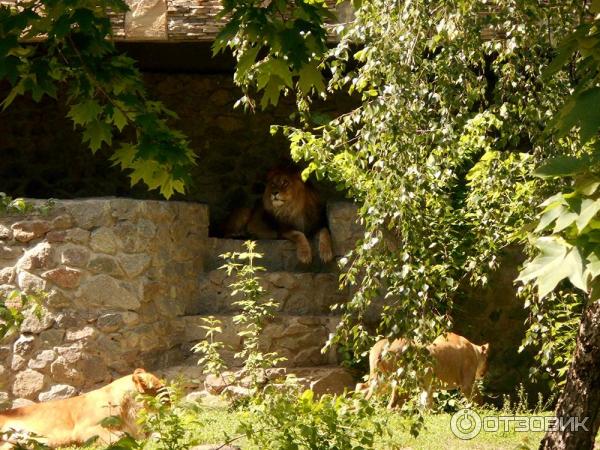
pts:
[457, 364]
[77, 419]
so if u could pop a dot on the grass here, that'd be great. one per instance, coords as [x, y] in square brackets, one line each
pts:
[214, 423]
[437, 435]
[217, 422]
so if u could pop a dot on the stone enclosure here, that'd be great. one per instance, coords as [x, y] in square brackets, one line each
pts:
[127, 283]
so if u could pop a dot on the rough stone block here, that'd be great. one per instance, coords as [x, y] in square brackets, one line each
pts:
[28, 230]
[7, 275]
[107, 265]
[103, 240]
[78, 236]
[36, 324]
[134, 265]
[6, 233]
[57, 392]
[64, 277]
[28, 384]
[20, 402]
[297, 338]
[88, 214]
[345, 229]
[51, 338]
[39, 257]
[85, 334]
[24, 344]
[105, 292]
[43, 360]
[30, 283]
[75, 256]
[62, 222]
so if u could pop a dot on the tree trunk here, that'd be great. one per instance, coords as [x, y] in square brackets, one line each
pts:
[581, 395]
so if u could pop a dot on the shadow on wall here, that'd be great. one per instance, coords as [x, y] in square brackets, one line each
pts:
[494, 314]
[42, 156]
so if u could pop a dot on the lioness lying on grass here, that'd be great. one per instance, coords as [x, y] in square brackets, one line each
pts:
[457, 364]
[77, 419]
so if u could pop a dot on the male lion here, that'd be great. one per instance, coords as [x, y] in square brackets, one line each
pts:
[75, 420]
[457, 364]
[290, 209]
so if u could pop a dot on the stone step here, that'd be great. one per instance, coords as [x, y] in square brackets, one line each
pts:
[321, 379]
[297, 338]
[278, 255]
[296, 293]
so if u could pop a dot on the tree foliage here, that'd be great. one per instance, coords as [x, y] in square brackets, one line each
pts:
[567, 235]
[440, 153]
[54, 48]
[277, 45]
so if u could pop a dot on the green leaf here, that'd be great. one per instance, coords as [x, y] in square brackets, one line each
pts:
[111, 422]
[279, 67]
[593, 265]
[310, 76]
[551, 214]
[567, 48]
[557, 261]
[589, 209]
[119, 119]
[96, 133]
[564, 220]
[563, 166]
[587, 184]
[85, 112]
[272, 91]
[247, 59]
[19, 89]
[576, 112]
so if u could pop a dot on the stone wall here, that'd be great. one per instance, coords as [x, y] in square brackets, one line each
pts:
[128, 283]
[115, 272]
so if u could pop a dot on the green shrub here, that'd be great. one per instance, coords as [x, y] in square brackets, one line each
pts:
[283, 418]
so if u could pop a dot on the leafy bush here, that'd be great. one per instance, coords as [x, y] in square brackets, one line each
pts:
[282, 418]
[255, 310]
[210, 359]
[282, 415]
[8, 205]
[12, 306]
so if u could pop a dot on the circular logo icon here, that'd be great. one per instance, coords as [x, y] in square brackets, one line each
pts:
[465, 424]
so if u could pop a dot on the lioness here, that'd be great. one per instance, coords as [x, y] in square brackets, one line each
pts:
[457, 364]
[75, 420]
[290, 209]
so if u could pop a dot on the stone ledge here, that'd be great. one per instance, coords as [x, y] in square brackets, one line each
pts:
[328, 379]
[296, 293]
[297, 338]
[176, 20]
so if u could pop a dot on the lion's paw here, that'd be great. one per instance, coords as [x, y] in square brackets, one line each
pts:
[325, 252]
[304, 254]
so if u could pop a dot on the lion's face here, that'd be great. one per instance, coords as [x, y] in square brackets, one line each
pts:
[147, 383]
[283, 188]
